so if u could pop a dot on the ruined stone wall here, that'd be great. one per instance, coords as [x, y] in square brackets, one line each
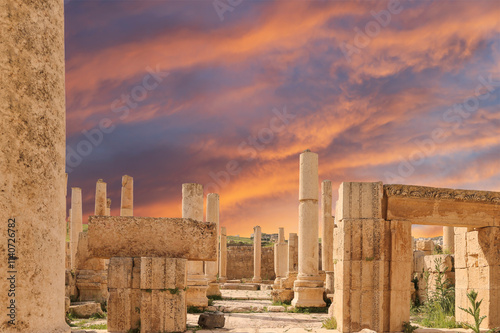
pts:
[240, 262]
[427, 263]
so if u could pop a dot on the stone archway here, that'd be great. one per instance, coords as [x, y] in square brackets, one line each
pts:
[373, 253]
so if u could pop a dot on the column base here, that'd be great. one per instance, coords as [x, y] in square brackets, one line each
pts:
[196, 296]
[257, 280]
[308, 293]
[213, 289]
[282, 295]
[222, 279]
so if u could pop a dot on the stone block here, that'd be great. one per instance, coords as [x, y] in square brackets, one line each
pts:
[163, 273]
[212, 320]
[120, 236]
[136, 273]
[418, 261]
[446, 260]
[124, 310]
[163, 311]
[360, 200]
[85, 309]
[460, 249]
[120, 272]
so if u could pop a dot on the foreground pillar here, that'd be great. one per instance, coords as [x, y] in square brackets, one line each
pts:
[32, 158]
[192, 207]
[309, 286]
[257, 254]
[212, 267]
[223, 255]
[127, 198]
[108, 207]
[327, 226]
[76, 222]
[449, 240]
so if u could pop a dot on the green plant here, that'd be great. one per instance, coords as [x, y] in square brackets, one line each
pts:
[104, 306]
[474, 311]
[174, 291]
[194, 309]
[98, 316]
[282, 303]
[445, 291]
[134, 330]
[335, 261]
[149, 291]
[102, 326]
[408, 327]
[215, 297]
[369, 258]
[329, 323]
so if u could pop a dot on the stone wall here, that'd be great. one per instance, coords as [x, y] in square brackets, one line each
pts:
[240, 262]
[427, 263]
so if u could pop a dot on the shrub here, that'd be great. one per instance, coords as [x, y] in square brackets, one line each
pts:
[330, 323]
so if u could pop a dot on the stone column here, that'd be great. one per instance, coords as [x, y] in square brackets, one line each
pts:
[212, 267]
[76, 222]
[192, 207]
[449, 240]
[223, 256]
[32, 158]
[327, 226]
[309, 286]
[127, 200]
[280, 259]
[257, 254]
[108, 207]
[100, 198]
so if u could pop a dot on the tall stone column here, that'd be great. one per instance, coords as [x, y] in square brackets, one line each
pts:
[449, 240]
[100, 198]
[280, 259]
[212, 267]
[327, 226]
[257, 254]
[32, 159]
[76, 222]
[192, 207]
[108, 207]
[308, 287]
[127, 199]
[223, 255]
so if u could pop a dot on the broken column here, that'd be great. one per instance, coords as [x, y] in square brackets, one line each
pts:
[223, 256]
[91, 273]
[280, 259]
[257, 254]
[286, 286]
[32, 159]
[192, 207]
[76, 222]
[108, 206]
[127, 197]
[212, 267]
[308, 287]
[448, 240]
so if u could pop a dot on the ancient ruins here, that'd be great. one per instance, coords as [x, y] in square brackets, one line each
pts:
[150, 272]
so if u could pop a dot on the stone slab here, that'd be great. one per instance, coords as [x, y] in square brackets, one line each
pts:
[119, 236]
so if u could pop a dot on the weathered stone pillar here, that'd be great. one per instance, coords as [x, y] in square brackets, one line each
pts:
[76, 222]
[212, 267]
[32, 154]
[477, 267]
[327, 226]
[127, 198]
[372, 262]
[100, 198]
[192, 207]
[280, 259]
[257, 254]
[108, 207]
[223, 256]
[449, 240]
[309, 286]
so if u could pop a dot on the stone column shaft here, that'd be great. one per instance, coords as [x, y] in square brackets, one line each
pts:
[76, 222]
[327, 225]
[32, 161]
[309, 286]
[449, 239]
[192, 207]
[127, 198]
[223, 255]
[108, 207]
[100, 198]
[212, 267]
[257, 254]
[280, 258]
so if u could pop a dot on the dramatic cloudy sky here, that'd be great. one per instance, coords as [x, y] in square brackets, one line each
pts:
[173, 92]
